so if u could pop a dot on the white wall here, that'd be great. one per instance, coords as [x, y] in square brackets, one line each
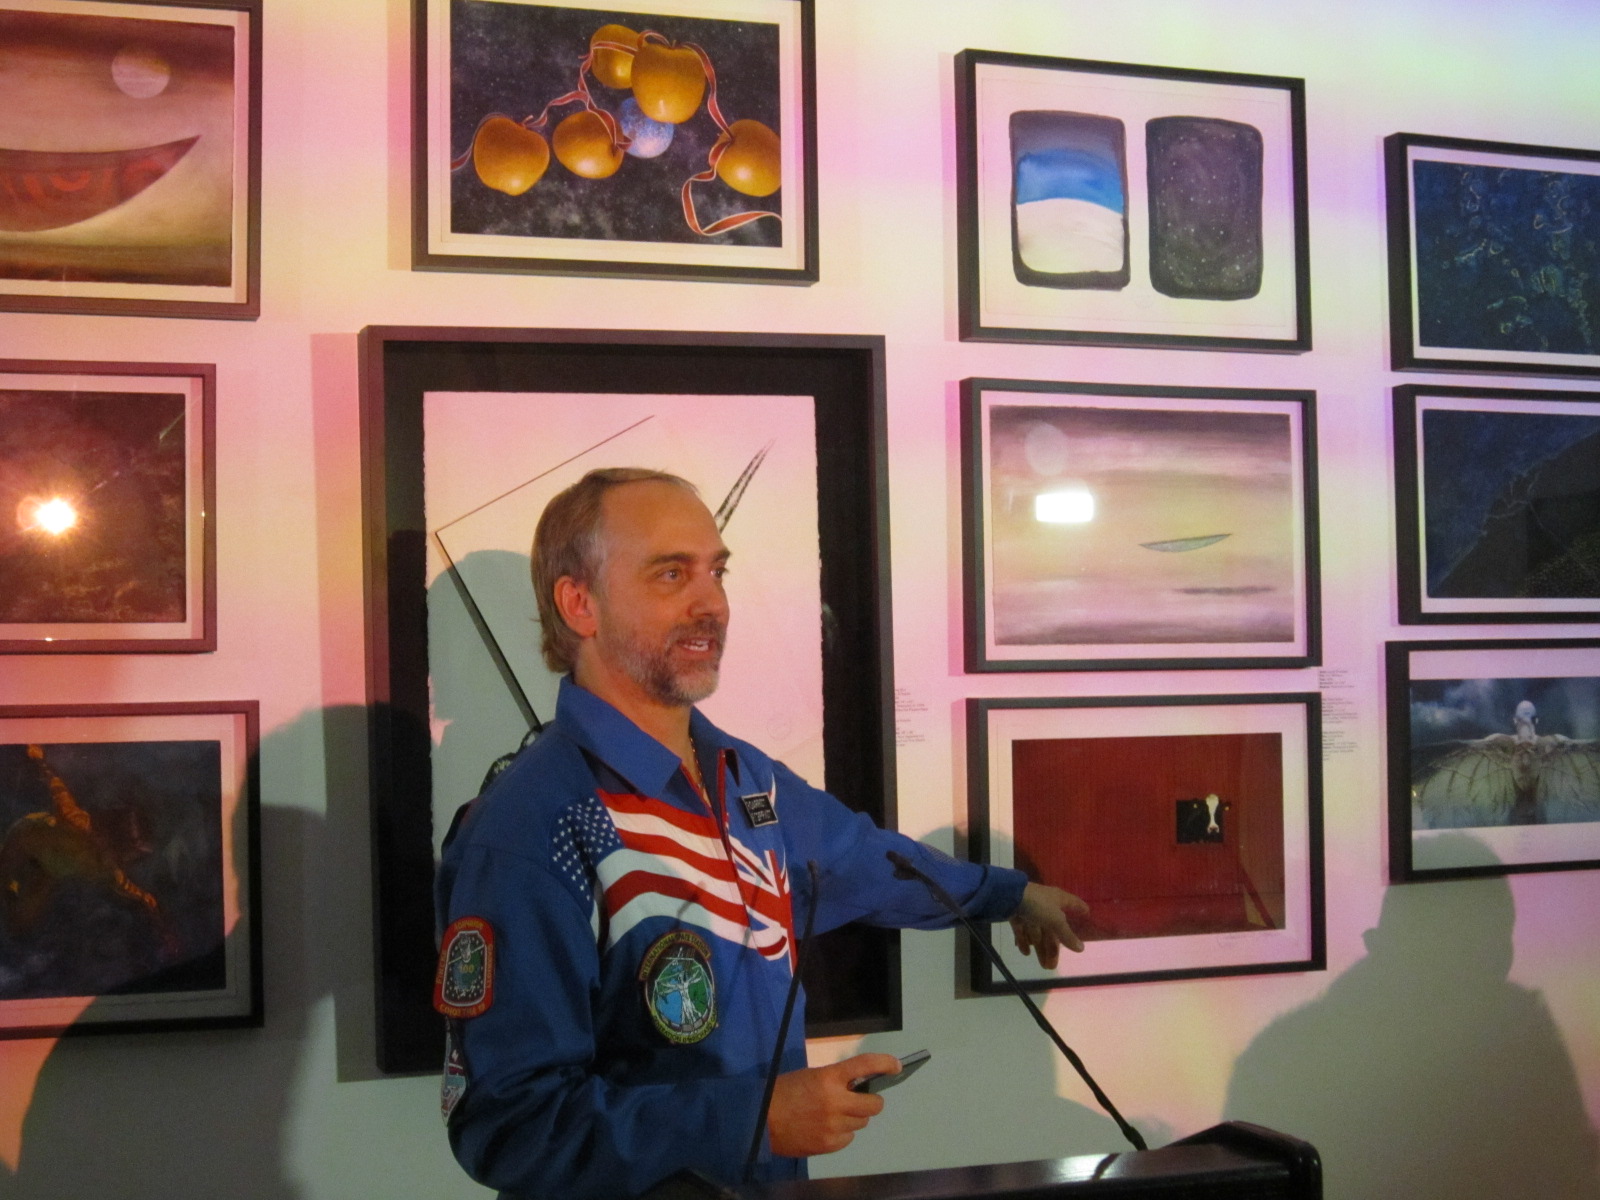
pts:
[295, 1109]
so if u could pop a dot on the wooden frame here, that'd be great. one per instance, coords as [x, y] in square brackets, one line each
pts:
[509, 176]
[409, 377]
[1491, 506]
[167, 796]
[1494, 757]
[112, 480]
[1192, 825]
[1492, 259]
[1114, 204]
[155, 225]
[1202, 554]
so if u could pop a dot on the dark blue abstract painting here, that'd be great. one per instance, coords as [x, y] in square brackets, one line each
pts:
[1205, 178]
[1511, 504]
[1507, 259]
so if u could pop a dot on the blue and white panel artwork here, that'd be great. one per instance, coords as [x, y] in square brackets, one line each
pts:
[1069, 200]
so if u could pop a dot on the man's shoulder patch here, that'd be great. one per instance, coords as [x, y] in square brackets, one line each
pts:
[464, 986]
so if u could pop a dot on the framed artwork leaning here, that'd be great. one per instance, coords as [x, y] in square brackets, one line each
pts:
[1494, 256]
[649, 138]
[1192, 826]
[1110, 526]
[130, 890]
[1494, 757]
[1496, 510]
[108, 486]
[468, 433]
[130, 150]
[1118, 204]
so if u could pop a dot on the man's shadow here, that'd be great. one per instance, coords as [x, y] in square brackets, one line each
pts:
[208, 1113]
[1423, 1071]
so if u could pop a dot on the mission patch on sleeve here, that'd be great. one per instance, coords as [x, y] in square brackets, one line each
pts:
[464, 986]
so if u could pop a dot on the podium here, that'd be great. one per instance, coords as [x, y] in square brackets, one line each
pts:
[1232, 1161]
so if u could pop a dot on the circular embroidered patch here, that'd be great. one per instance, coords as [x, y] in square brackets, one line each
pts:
[679, 989]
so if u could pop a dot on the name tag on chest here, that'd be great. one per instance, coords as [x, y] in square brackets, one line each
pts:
[758, 807]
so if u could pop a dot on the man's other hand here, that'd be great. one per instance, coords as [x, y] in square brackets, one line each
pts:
[815, 1112]
[1042, 923]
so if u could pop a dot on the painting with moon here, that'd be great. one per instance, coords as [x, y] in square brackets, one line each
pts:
[1138, 528]
[104, 510]
[124, 158]
[1500, 739]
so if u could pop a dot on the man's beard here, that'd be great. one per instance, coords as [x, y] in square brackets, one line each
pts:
[652, 669]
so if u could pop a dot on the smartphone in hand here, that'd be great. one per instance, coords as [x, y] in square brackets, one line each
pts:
[877, 1083]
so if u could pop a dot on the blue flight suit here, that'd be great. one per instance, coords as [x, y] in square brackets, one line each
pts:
[643, 945]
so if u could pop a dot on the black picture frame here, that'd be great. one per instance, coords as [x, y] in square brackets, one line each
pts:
[505, 235]
[1493, 533]
[1189, 750]
[172, 792]
[1470, 256]
[127, 266]
[852, 980]
[1475, 789]
[1272, 430]
[1028, 281]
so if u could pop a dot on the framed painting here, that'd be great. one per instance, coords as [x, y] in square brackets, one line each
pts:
[1495, 506]
[1494, 757]
[1113, 204]
[1494, 256]
[667, 139]
[1111, 526]
[468, 433]
[108, 484]
[130, 178]
[1192, 826]
[130, 887]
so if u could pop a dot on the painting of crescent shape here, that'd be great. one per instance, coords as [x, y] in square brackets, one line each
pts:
[1141, 526]
[116, 150]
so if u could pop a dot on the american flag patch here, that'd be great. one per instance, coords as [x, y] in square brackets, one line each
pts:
[654, 860]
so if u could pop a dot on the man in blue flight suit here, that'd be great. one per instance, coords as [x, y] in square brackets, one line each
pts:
[620, 905]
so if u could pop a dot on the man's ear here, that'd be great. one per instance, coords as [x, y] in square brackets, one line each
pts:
[575, 603]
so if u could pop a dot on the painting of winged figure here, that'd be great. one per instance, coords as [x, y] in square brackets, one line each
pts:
[1500, 752]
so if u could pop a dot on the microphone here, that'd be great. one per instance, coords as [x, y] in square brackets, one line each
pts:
[783, 1026]
[904, 868]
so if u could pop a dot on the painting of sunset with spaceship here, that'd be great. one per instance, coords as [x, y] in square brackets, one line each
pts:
[105, 539]
[126, 143]
[1137, 527]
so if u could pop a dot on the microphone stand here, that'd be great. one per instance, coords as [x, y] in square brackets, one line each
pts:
[904, 868]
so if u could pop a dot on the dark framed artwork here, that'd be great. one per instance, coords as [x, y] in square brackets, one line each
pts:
[1115, 204]
[133, 159]
[109, 486]
[1115, 526]
[1494, 757]
[650, 138]
[1192, 826]
[1496, 507]
[467, 434]
[130, 889]
[1494, 256]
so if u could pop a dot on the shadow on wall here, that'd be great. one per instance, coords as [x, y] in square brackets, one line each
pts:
[207, 1113]
[1423, 1071]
